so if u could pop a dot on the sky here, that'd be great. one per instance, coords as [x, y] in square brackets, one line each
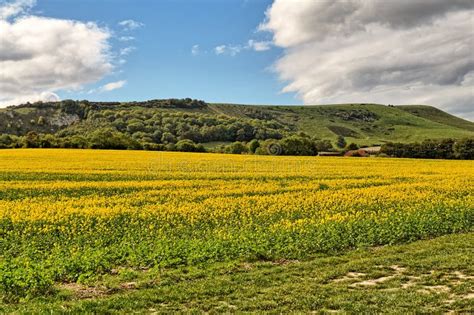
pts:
[240, 51]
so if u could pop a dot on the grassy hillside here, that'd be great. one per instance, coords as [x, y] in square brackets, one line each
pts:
[364, 124]
[434, 114]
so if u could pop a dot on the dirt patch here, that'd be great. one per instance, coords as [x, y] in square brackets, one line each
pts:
[462, 276]
[88, 292]
[84, 292]
[468, 296]
[128, 286]
[397, 268]
[350, 276]
[247, 266]
[285, 262]
[435, 289]
[372, 282]
[412, 281]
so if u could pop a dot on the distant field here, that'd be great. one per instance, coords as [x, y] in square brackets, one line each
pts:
[69, 216]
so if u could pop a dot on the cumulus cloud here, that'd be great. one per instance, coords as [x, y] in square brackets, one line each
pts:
[113, 86]
[406, 51]
[39, 55]
[130, 25]
[12, 8]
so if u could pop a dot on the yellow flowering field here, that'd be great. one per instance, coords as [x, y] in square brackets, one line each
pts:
[66, 215]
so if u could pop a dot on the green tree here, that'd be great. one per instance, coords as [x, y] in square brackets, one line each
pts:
[236, 148]
[108, 138]
[135, 127]
[341, 142]
[253, 145]
[464, 149]
[168, 137]
[48, 141]
[323, 145]
[186, 145]
[78, 142]
[31, 140]
[296, 145]
[352, 146]
[5, 141]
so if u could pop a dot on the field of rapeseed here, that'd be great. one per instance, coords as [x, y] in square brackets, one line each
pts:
[70, 215]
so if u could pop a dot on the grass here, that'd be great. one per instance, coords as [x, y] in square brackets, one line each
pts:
[437, 115]
[428, 276]
[398, 123]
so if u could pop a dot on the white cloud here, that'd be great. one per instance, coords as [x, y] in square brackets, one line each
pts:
[411, 52]
[43, 54]
[112, 86]
[126, 38]
[15, 7]
[195, 50]
[259, 45]
[233, 50]
[219, 50]
[40, 56]
[108, 87]
[130, 25]
[127, 50]
[230, 50]
[43, 96]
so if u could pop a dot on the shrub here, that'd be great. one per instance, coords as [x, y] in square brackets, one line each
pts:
[296, 145]
[236, 148]
[464, 149]
[352, 146]
[186, 145]
[253, 145]
[341, 142]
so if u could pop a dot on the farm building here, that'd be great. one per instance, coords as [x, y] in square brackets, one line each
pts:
[364, 152]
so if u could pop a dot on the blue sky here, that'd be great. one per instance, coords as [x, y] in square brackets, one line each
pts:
[240, 51]
[162, 64]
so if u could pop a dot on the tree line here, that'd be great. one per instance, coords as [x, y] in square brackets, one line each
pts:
[295, 144]
[432, 149]
[300, 144]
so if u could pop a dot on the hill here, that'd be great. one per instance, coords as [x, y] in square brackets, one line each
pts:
[364, 124]
[167, 121]
[434, 114]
